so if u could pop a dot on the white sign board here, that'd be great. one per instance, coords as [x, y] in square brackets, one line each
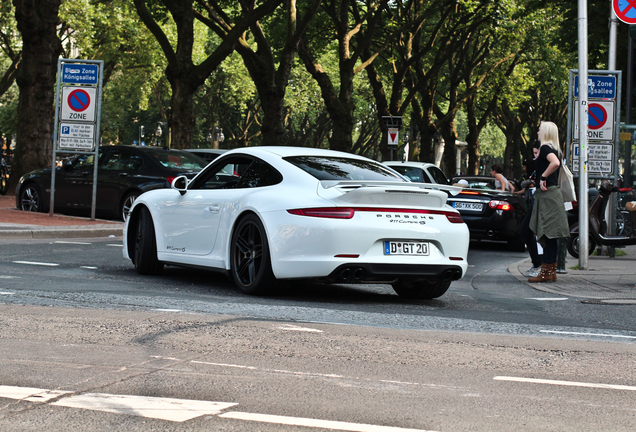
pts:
[601, 120]
[78, 103]
[76, 136]
[599, 159]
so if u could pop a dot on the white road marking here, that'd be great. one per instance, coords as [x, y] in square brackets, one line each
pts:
[115, 245]
[588, 334]
[30, 394]
[9, 277]
[168, 310]
[170, 409]
[292, 327]
[36, 263]
[89, 267]
[307, 422]
[72, 242]
[176, 410]
[548, 298]
[225, 365]
[566, 383]
[6, 293]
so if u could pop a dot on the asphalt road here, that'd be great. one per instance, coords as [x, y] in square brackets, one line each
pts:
[87, 344]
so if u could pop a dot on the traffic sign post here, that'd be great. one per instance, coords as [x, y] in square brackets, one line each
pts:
[77, 115]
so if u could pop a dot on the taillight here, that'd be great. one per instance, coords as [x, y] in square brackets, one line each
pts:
[326, 212]
[500, 205]
[348, 212]
[169, 179]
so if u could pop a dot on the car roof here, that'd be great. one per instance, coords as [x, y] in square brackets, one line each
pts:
[212, 151]
[409, 164]
[285, 151]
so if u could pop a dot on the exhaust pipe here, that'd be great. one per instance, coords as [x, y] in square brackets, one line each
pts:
[448, 275]
[345, 273]
[359, 274]
[491, 233]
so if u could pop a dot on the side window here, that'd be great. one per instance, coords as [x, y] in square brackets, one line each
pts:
[122, 160]
[259, 174]
[224, 174]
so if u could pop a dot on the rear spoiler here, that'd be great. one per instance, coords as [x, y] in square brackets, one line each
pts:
[355, 184]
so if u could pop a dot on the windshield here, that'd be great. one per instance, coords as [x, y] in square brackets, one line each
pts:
[177, 159]
[339, 168]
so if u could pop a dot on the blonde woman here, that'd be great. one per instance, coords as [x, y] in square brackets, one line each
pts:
[549, 220]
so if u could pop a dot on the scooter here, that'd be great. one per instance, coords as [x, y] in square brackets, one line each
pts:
[598, 226]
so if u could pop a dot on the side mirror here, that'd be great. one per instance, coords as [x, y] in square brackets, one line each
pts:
[181, 184]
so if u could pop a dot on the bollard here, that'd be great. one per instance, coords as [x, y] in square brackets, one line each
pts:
[563, 250]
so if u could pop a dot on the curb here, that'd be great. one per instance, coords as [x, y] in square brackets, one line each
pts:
[59, 232]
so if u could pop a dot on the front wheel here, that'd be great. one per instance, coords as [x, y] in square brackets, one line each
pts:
[573, 245]
[250, 260]
[31, 198]
[144, 255]
[420, 288]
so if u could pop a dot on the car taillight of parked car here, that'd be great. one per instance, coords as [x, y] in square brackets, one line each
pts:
[500, 205]
[170, 179]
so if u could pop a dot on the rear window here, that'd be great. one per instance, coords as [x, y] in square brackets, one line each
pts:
[337, 168]
[177, 159]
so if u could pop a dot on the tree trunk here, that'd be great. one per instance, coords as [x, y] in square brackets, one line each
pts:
[37, 20]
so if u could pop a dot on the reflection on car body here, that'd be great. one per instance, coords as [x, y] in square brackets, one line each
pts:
[298, 213]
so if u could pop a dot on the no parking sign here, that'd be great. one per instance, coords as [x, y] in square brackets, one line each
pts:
[78, 103]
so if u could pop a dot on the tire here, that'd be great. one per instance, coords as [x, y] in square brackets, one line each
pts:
[4, 180]
[126, 204]
[31, 198]
[516, 245]
[144, 255]
[420, 288]
[250, 261]
[573, 245]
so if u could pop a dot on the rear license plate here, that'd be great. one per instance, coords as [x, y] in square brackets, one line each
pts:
[405, 248]
[468, 206]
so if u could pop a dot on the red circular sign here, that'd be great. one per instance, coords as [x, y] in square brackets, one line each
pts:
[625, 10]
[597, 116]
[79, 100]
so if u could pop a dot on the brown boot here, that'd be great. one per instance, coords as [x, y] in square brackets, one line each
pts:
[553, 271]
[545, 275]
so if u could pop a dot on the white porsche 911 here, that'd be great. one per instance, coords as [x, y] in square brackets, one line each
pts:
[264, 215]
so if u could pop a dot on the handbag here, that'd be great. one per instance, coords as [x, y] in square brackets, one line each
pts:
[566, 183]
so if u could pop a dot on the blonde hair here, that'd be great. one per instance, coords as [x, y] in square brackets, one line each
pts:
[549, 134]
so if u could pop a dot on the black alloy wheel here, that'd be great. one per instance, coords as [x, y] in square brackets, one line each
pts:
[573, 245]
[31, 198]
[250, 263]
[144, 255]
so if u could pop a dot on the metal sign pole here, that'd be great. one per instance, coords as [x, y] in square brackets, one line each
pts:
[583, 122]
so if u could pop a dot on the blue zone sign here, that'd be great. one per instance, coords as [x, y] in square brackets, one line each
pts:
[78, 73]
[598, 86]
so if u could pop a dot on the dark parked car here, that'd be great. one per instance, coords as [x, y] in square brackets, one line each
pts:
[488, 213]
[124, 173]
[208, 154]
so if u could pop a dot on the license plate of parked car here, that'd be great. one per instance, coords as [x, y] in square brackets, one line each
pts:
[405, 248]
[468, 206]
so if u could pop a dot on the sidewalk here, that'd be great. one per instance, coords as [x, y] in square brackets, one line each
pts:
[607, 280]
[17, 224]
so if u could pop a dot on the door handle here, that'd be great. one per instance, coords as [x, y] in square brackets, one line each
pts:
[214, 208]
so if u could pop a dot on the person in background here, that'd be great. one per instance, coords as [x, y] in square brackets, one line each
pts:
[549, 220]
[501, 182]
[526, 233]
